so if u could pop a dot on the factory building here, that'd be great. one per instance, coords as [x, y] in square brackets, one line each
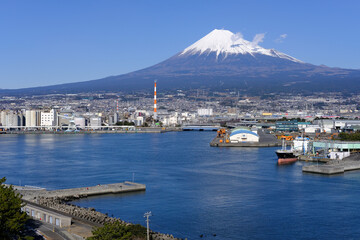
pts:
[205, 112]
[32, 118]
[287, 126]
[95, 122]
[49, 118]
[80, 122]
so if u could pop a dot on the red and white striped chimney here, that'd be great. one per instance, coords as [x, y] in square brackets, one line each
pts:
[155, 111]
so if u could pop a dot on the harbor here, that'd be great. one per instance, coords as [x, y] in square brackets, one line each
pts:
[181, 188]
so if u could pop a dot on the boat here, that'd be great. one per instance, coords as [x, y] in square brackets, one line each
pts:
[284, 155]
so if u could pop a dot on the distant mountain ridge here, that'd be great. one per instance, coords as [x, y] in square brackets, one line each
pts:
[221, 60]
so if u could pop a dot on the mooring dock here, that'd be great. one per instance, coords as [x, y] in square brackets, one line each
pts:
[265, 140]
[336, 167]
[100, 189]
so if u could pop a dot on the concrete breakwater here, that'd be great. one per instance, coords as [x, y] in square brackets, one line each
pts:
[58, 201]
[335, 166]
[30, 194]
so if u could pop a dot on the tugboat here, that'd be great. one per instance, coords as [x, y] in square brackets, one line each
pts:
[284, 155]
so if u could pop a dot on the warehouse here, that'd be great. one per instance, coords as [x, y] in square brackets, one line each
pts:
[243, 134]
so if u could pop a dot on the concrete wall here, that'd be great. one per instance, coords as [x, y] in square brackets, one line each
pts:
[47, 215]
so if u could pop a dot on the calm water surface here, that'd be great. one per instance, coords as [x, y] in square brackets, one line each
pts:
[192, 189]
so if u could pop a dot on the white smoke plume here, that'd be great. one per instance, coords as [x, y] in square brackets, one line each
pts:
[236, 36]
[258, 39]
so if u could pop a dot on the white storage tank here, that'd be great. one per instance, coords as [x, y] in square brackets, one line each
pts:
[79, 122]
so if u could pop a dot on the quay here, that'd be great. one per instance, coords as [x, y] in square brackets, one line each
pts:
[30, 193]
[329, 169]
[200, 128]
[265, 140]
[335, 166]
[90, 131]
[216, 143]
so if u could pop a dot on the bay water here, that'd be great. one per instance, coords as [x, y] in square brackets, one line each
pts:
[194, 191]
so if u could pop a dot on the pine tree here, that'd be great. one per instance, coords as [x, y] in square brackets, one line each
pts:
[12, 219]
[118, 231]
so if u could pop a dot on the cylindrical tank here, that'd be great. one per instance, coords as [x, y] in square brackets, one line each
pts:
[79, 122]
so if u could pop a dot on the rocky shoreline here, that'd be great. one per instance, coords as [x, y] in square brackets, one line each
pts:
[61, 203]
[88, 214]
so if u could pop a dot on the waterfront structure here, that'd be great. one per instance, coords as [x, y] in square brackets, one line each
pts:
[49, 118]
[95, 122]
[243, 134]
[46, 214]
[301, 144]
[312, 129]
[32, 118]
[66, 118]
[287, 126]
[80, 122]
[139, 121]
[336, 145]
[11, 119]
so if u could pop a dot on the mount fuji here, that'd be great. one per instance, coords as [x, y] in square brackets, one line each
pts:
[222, 60]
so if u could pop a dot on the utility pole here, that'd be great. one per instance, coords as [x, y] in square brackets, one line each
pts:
[147, 215]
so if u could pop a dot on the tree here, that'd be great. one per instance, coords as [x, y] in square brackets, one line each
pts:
[125, 123]
[118, 231]
[12, 219]
[349, 136]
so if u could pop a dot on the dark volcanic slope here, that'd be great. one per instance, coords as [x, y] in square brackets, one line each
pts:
[257, 73]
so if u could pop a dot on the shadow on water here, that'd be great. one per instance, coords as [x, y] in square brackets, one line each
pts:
[110, 197]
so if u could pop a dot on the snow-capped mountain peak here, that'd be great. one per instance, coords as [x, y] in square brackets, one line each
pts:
[225, 42]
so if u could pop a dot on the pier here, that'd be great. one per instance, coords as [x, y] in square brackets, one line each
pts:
[335, 166]
[265, 140]
[30, 193]
[329, 169]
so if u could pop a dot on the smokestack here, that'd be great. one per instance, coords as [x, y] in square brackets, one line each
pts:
[155, 113]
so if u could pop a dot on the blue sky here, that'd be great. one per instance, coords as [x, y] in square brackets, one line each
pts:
[51, 42]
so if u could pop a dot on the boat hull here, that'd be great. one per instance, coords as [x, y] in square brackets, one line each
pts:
[286, 160]
[285, 157]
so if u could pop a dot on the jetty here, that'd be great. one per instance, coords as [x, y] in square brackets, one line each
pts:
[335, 166]
[30, 193]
